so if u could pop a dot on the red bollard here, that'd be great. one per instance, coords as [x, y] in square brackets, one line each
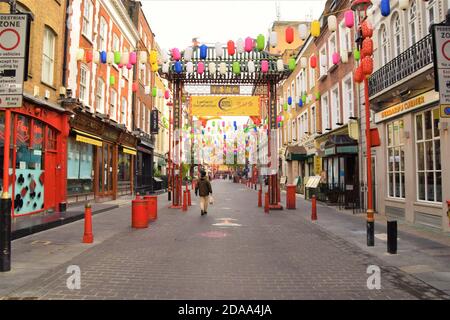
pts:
[88, 236]
[139, 214]
[259, 198]
[314, 208]
[189, 198]
[290, 196]
[266, 203]
[184, 201]
[152, 207]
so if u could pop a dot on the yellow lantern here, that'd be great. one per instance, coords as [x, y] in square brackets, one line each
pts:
[315, 28]
[154, 67]
[153, 56]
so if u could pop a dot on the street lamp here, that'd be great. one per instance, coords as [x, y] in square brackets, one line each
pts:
[360, 7]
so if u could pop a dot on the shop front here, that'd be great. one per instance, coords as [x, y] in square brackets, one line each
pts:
[144, 165]
[37, 172]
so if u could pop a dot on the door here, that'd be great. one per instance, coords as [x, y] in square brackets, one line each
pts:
[105, 157]
[50, 180]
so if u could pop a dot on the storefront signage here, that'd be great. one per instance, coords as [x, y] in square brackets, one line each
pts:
[225, 89]
[409, 105]
[225, 106]
[347, 149]
[330, 151]
[129, 151]
[14, 31]
[85, 139]
[154, 122]
[317, 165]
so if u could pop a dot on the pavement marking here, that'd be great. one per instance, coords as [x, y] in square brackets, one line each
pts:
[383, 236]
[43, 242]
[213, 234]
[419, 268]
[226, 222]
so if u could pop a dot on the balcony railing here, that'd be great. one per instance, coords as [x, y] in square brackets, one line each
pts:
[408, 62]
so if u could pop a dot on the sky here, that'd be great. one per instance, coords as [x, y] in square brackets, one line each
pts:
[175, 23]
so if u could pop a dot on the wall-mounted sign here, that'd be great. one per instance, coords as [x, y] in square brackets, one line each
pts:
[225, 106]
[441, 54]
[408, 105]
[225, 89]
[154, 122]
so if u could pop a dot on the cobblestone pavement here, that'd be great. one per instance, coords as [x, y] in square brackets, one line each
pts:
[235, 252]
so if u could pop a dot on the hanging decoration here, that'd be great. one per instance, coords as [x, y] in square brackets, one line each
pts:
[248, 44]
[303, 31]
[264, 66]
[223, 68]
[359, 76]
[385, 8]
[332, 23]
[289, 101]
[203, 51]
[117, 57]
[154, 67]
[291, 64]
[103, 57]
[165, 67]
[110, 58]
[89, 56]
[219, 50]
[367, 65]
[344, 55]
[240, 46]
[133, 58]
[356, 54]
[178, 67]
[336, 58]
[260, 42]
[200, 68]
[280, 65]
[154, 56]
[130, 66]
[188, 54]
[313, 61]
[154, 92]
[176, 55]
[236, 67]
[303, 62]
[304, 98]
[349, 18]
[143, 57]
[300, 103]
[273, 39]
[317, 95]
[112, 80]
[403, 4]
[285, 106]
[323, 60]
[134, 87]
[367, 47]
[315, 28]
[231, 48]
[289, 34]
[80, 54]
[251, 66]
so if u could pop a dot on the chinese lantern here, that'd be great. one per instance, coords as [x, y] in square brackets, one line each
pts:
[304, 98]
[147, 90]
[230, 48]
[359, 76]
[142, 57]
[251, 66]
[313, 61]
[154, 92]
[154, 67]
[332, 23]
[264, 66]
[300, 103]
[80, 54]
[385, 8]
[367, 65]
[219, 50]
[134, 87]
[167, 94]
[291, 64]
[303, 62]
[356, 54]
[103, 57]
[302, 31]
[349, 19]
[248, 44]
[289, 34]
[188, 54]
[154, 56]
[203, 51]
[336, 57]
[212, 68]
[200, 67]
[367, 47]
[120, 65]
[403, 4]
[89, 56]
[189, 67]
[280, 65]
[366, 29]
[236, 67]
[317, 95]
[273, 39]
[133, 58]
[129, 66]
[260, 42]
[323, 60]
[178, 67]
[315, 28]
[165, 67]
[117, 57]
[289, 100]
[110, 58]
[176, 54]
[223, 68]
[240, 46]
[285, 106]
[112, 80]
[124, 58]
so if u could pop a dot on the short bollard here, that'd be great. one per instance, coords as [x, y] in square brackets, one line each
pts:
[314, 208]
[152, 207]
[139, 215]
[184, 201]
[392, 237]
[266, 203]
[259, 198]
[290, 196]
[88, 237]
[189, 203]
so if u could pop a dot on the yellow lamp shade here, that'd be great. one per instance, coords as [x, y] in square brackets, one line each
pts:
[315, 28]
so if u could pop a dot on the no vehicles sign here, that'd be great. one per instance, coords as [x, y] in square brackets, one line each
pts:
[13, 57]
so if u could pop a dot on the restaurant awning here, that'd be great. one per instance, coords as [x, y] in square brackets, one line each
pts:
[295, 153]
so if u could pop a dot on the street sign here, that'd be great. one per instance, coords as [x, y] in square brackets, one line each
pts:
[441, 49]
[14, 30]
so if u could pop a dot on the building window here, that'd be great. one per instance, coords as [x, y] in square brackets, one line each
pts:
[112, 104]
[123, 110]
[431, 14]
[103, 34]
[335, 107]
[412, 16]
[428, 150]
[295, 136]
[384, 45]
[396, 159]
[87, 19]
[345, 37]
[312, 78]
[397, 35]
[332, 48]
[99, 97]
[48, 56]
[313, 119]
[323, 61]
[84, 84]
[325, 113]
[348, 98]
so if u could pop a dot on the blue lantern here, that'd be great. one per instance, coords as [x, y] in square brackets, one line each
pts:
[300, 103]
[385, 8]
[289, 100]
[103, 57]
[178, 67]
[225, 137]
[203, 51]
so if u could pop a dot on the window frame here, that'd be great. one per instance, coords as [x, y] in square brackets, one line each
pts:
[87, 22]
[85, 96]
[393, 172]
[48, 57]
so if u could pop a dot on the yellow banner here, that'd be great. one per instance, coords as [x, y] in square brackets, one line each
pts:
[129, 151]
[88, 140]
[225, 106]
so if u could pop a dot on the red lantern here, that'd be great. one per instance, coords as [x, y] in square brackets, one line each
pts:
[313, 62]
[367, 65]
[366, 29]
[367, 47]
[359, 76]
[231, 48]
[134, 87]
[89, 56]
[289, 35]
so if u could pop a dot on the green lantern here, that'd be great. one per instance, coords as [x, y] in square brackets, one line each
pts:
[357, 54]
[236, 67]
[304, 98]
[213, 123]
[260, 42]
[291, 64]
[285, 106]
[117, 57]
[112, 80]
[154, 92]
[317, 95]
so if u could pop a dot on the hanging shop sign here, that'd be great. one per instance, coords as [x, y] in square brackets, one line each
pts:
[409, 105]
[225, 89]
[154, 122]
[225, 106]
[14, 39]
[441, 52]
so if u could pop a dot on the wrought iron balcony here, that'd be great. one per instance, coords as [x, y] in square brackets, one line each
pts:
[408, 62]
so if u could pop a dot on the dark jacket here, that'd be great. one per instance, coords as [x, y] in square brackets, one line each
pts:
[203, 187]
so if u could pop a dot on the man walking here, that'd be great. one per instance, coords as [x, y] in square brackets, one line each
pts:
[203, 189]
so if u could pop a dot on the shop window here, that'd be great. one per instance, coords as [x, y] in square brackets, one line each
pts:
[428, 156]
[396, 159]
[124, 167]
[79, 167]
[51, 139]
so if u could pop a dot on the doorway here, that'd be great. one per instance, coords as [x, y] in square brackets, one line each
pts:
[105, 157]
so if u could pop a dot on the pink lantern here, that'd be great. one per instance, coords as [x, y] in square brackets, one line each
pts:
[176, 55]
[264, 66]
[134, 87]
[167, 94]
[248, 44]
[133, 58]
[120, 66]
[200, 67]
[129, 66]
[336, 58]
[349, 19]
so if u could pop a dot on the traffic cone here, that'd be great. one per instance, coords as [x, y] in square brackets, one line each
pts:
[88, 236]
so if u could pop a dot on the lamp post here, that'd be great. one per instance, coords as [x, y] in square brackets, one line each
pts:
[360, 8]
[169, 162]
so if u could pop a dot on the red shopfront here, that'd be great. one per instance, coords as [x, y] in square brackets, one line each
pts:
[38, 158]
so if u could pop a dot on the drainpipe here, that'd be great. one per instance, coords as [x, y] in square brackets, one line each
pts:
[66, 40]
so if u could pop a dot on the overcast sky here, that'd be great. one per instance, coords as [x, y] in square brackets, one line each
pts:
[175, 23]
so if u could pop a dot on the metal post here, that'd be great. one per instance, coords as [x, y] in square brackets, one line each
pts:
[5, 202]
[370, 215]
